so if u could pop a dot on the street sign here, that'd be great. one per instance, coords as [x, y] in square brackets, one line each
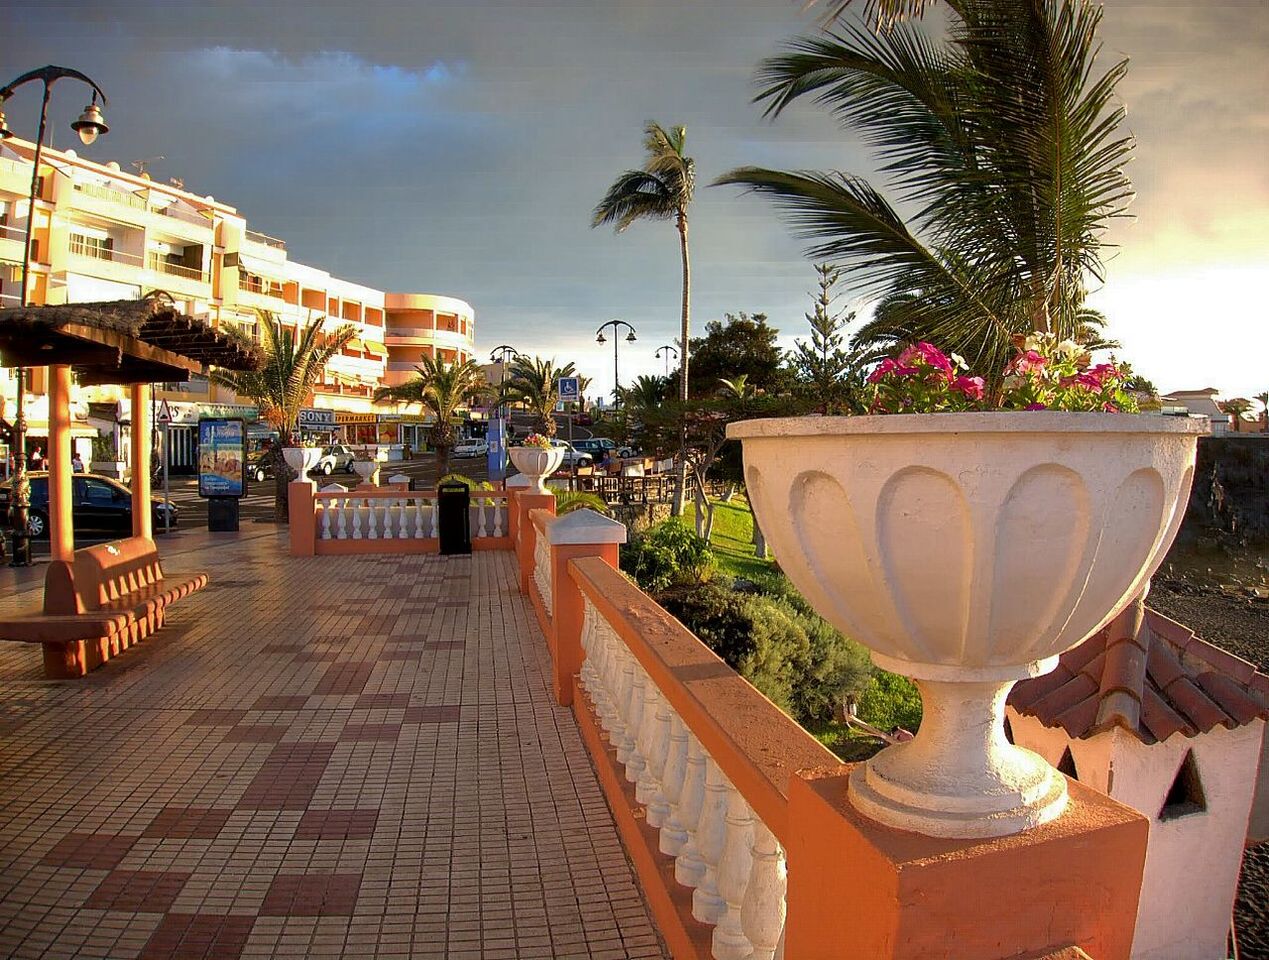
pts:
[570, 390]
[165, 413]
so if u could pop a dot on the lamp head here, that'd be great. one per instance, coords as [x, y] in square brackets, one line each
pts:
[630, 337]
[601, 338]
[91, 124]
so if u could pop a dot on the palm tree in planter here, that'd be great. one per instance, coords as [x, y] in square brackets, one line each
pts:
[662, 190]
[1236, 407]
[1263, 399]
[927, 536]
[440, 389]
[294, 359]
[534, 382]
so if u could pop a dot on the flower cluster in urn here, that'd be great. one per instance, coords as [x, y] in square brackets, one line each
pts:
[538, 441]
[1045, 374]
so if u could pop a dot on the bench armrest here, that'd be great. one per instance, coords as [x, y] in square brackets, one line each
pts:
[63, 628]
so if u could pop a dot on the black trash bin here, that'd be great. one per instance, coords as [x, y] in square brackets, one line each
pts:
[454, 522]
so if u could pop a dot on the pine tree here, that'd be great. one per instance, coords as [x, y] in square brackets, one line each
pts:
[826, 371]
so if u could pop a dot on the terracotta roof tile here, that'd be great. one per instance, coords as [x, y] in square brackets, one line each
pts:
[1160, 720]
[1149, 675]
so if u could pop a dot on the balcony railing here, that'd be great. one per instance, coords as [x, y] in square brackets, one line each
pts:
[79, 248]
[253, 284]
[99, 192]
[162, 265]
[265, 239]
[8, 232]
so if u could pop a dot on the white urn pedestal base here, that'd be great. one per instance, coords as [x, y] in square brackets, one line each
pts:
[960, 778]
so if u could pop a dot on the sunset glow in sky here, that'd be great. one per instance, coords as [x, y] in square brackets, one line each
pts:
[458, 147]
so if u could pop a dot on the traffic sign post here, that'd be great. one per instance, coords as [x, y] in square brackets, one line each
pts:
[570, 393]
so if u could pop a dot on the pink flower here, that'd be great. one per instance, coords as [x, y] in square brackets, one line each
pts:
[1029, 362]
[1038, 406]
[1103, 372]
[1109, 407]
[903, 371]
[883, 368]
[972, 387]
[1089, 381]
[929, 354]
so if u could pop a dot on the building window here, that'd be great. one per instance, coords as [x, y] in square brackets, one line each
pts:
[1185, 796]
[99, 248]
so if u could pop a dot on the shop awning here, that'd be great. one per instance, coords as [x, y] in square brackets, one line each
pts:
[378, 349]
[354, 344]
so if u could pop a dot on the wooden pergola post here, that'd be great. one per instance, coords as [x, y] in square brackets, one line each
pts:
[142, 522]
[61, 527]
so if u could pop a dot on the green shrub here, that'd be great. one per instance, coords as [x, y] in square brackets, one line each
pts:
[566, 501]
[667, 554]
[798, 660]
[890, 701]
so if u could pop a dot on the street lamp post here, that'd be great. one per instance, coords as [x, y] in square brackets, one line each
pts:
[665, 350]
[499, 356]
[89, 126]
[630, 338]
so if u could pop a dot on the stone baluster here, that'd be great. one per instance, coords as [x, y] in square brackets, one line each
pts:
[620, 674]
[634, 724]
[646, 785]
[356, 518]
[711, 836]
[327, 507]
[763, 910]
[435, 531]
[341, 518]
[418, 514]
[734, 869]
[403, 518]
[605, 689]
[689, 868]
[481, 529]
[673, 836]
[659, 805]
[499, 510]
[388, 506]
[588, 676]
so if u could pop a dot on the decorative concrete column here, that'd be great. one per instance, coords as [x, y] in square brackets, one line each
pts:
[581, 533]
[526, 535]
[140, 443]
[61, 529]
[857, 888]
[302, 512]
[514, 486]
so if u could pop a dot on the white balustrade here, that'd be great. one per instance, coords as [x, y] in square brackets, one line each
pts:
[542, 570]
[734, 868]
[763, 911]
[734, 864]
[361, 516]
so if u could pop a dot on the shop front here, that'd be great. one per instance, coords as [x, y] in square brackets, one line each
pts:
[318, 427]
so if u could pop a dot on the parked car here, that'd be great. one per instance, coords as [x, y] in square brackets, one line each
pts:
[473, 447]
[572, 456]
[583, 419]
[335, 457]
[99, 505]
[596, 446]
[260, 465]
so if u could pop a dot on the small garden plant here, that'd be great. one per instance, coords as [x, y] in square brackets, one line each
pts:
[537, 441]
[1044, 374]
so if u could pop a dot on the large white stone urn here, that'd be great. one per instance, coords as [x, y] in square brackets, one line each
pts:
[365, 469]
[967, 551]
[537, 464]
[301, 459]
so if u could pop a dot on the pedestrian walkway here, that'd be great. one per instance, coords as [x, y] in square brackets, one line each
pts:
[321, 757]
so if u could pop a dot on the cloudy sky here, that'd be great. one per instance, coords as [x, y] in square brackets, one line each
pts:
[458, 147]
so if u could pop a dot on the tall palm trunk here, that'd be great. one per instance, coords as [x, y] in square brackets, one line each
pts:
[680, 480]
[281, 477]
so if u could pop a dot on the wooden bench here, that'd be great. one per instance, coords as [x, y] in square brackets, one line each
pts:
[108, 598]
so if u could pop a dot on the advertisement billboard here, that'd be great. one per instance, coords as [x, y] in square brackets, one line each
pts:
[222, 458]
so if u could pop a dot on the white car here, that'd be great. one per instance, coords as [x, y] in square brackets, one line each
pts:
[471, 448]
[573, 458]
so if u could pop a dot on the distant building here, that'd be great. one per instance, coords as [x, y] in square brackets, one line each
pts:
[1198, 404]
[103, 234]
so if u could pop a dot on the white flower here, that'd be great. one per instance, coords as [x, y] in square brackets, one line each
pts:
[959, 361]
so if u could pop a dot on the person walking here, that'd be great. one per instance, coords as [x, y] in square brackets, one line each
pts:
[77, 463]
[37, 458]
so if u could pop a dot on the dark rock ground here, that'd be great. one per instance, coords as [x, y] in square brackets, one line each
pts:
[1241, 626]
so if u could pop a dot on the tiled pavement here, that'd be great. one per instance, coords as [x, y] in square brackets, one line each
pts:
[336, 756]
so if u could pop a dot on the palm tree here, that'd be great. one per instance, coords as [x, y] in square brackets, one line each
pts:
[737, 387]
[1264, 411]
[535, 383]
[1004, 141]
[662, 190]
[440, 389]
[1236, 407]
[294, 359]
[645, 393]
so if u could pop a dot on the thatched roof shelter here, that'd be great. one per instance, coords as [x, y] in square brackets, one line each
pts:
[120, 341]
